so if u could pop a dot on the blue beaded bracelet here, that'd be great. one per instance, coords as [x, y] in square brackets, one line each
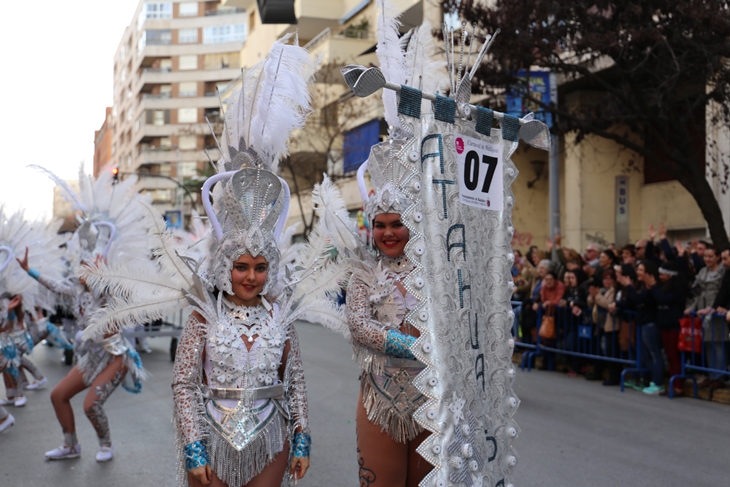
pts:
[301, 444]
[196, 455]
[398, 344]
[34, 273]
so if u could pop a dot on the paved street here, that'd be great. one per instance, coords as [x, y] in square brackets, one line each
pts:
[574, 433]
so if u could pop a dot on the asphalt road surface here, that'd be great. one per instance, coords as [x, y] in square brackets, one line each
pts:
[574, 433]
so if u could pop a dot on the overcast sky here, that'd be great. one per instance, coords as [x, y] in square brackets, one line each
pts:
[56, 81]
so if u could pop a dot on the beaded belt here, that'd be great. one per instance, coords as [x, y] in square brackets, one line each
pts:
[267, 392]
[403, 363]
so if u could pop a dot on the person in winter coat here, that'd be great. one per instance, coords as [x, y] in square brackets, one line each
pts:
[669, 293]
[603, 302]
[644, 304]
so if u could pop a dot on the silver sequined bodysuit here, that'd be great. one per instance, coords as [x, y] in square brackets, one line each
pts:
[241, 403]
[93, 356]
[376, 305]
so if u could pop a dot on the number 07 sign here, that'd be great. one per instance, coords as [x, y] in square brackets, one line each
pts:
[480, 173]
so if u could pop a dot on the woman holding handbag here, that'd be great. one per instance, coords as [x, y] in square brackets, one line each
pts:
[605, 301]
[551, 292]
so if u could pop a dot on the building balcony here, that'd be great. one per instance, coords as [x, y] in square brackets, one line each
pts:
[224, 11]
[154, 76]
[340, 48]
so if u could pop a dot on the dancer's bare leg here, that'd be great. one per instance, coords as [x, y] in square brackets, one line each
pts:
[102, 387]
[61, 396]
[273, 473]
[418, 467]
[383, 462]
[270, 476]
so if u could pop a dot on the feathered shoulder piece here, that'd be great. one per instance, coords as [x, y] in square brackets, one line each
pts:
[109, 221]
[44, 252]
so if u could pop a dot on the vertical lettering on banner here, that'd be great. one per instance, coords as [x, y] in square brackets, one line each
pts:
[463, 287]
[443, 183]
[439, 154]
[462, 244]
[474, 332]
[479, 369]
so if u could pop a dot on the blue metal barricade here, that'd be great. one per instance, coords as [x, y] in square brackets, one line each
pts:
[577, 335]
[714, 350]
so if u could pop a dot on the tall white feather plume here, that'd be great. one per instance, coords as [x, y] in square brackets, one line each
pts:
[44, 255]
[284, 101]
[68, 193]
[273, 101]
[334, 219]
[423, 68]
[390, 56]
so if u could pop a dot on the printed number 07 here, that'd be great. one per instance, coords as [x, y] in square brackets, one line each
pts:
[471, 171]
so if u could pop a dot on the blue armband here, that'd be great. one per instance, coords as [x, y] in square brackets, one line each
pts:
[195, 455]
[301, 445]
[34, 273]
[12, 316]
[398, 344]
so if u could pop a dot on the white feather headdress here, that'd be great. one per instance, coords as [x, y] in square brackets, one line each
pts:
[109, 222]
[44, 253]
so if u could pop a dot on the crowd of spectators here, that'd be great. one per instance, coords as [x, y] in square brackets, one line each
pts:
[651, 284]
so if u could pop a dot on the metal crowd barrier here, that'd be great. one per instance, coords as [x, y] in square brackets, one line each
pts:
[714, 350]
[580, 336]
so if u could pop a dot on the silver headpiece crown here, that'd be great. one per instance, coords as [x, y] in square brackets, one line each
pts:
[392, 168]
[250, 208]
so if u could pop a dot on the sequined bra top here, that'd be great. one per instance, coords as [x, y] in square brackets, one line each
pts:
[228, 361]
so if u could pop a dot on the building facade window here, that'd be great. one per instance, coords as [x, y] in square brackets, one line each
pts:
[154, 10]
[154, 37]
[188, 169]
[188, 62]
[188, 9]
[187, 36]
[158, 117]
[187, 115]
[188, 88]
[187, 142]
[224, 33]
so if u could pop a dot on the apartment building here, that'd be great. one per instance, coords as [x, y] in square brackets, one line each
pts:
[169, 63]
[103, 143]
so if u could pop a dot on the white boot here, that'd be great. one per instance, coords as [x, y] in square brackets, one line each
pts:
[37, 384]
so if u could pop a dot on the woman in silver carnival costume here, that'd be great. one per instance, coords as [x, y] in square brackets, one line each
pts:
[377, 300]
[240, 396]
[18, 290]
[111, 229]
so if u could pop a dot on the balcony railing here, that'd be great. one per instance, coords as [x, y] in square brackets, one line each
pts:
[156, 96]
[157, 70]
[225, 11]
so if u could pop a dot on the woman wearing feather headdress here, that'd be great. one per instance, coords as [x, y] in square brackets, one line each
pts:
[378, 298]
[19, 291]
[238, 385]
[111, 230]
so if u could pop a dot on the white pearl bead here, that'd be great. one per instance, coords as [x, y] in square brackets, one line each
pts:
[431, 414]
[511, 461]
[436, 449]
[419, 250]
[467, 450]
[413, 156]
[512, 432]
[417, 186]
[418, 282]
[418, 216]
[433, 382]
[423, 315]
[427, 347]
